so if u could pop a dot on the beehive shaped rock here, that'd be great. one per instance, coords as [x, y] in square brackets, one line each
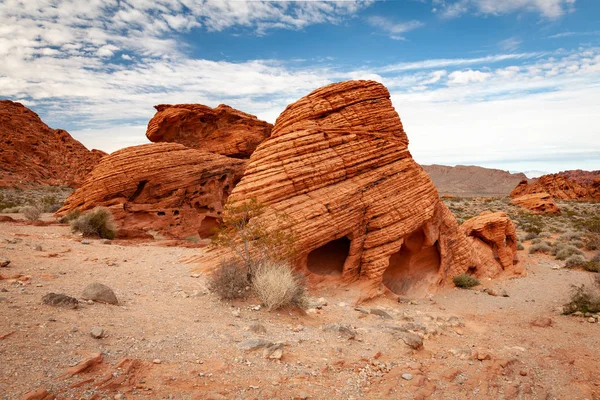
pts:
[566, 185]
[494, 240]
[539, 203]
[32, 153]
[161, 187]
[337, 172]
[222, 130]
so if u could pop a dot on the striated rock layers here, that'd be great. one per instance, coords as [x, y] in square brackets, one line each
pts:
[539, 203]
[566, 185]
[33, 153]
[222, 130]
[165, 188]
[494, 240]
[337, 172]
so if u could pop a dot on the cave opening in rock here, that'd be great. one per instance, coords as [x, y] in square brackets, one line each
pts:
[414, 267]
[329, 259]
[208, 226]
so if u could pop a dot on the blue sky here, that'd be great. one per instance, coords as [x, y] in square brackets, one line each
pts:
[511, 84]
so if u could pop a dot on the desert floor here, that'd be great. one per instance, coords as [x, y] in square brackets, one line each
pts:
[170, 338]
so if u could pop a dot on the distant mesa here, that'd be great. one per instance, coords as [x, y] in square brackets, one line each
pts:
[566, 185]
[221, 130]
[472, 181]
[337, 166]
[161, 188]
[539, 203]
[31, 153]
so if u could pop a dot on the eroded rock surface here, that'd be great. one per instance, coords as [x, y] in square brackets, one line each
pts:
[222, 130]
[164, 188]
[33, 153]
[337, 166]
[494, 240]
[539, 203]
[566, 185]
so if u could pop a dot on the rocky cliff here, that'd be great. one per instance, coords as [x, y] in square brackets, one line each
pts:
[566, 185]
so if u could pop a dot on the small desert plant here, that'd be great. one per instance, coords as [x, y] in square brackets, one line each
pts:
[276, 285]
[545, 234]
[520, 246]
[591, 224]
[230, 280]
[98, 222]
[31, 213]
[540, 248]
[531, 236]
[49, 203]
[70, 216]
[592, 241]
[584, 298]
[567, 251]
[592, 266]
[569, 236]
[575, 261]
[12, 210]
[465, 281]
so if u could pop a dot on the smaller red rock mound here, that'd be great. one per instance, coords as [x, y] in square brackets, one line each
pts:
[33, 153]
[163, 188]
[539, 203]
[566, 185]
[222, 130]
[494, 240]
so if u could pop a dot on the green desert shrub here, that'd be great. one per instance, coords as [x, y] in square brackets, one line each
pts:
[592, 242]
[98, 222]
[12, 210]
[584, 298]
[531, 236]
[570, 236]
[230, 280]
[592, 266]
[70, 216]
[465, 281]
[277, 286]
[31, 213]
[565, 251]
[520, 246]
[575, 261]
[591, 224]
[542, 247]
[545, 234]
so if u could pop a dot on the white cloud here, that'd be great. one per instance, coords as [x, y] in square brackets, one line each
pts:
[468, 76]
[510, 44]
[550, 9]
[392, 28]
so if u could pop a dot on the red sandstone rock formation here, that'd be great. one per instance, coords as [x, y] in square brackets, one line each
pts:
[566, 185]
[222, 130]
[337, 166]
[33, 153]
[539, 203]
[165, 188]
[494, 240]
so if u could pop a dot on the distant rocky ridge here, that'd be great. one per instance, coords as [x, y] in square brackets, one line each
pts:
[566, 185]
[472, 181]
[31, 153]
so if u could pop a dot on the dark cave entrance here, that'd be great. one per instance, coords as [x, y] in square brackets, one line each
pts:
[208, 226]
[329, 259]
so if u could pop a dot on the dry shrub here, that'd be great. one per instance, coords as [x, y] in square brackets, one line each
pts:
[31, 213]
[540, 248]
[276, 285]
[591, 241]
[230, 280]
[98, 222]
[563, 252]
[584, 298]
[575, 261]
[70, 216]
[531, 235]
[465, 281]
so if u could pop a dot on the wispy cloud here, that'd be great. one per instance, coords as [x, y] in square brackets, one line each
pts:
[570, 33]
[392, 28]
[510, 44]
[551, 9]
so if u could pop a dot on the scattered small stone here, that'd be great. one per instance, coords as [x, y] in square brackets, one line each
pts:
[195, 275]
[454, 322]
[106, 241]
[4, 290]
[97, 332]
[361, 310]
[403, 300]
[343, 330]
[236, 313]
[319, 303]
[591, 320]
[156, 361]
[412, 340]
[381, 313]
[85, 241]
[523, 373]
[407, 377]
[100, 293]
[542, 322]
[36, 247]
[342, 304]
[298, 328]
[481, 356]
[274, 351]
[4, 262]
[60, 300]
[119, 396]
[257, 328]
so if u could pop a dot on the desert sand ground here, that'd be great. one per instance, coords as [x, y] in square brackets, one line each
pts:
[170, 338]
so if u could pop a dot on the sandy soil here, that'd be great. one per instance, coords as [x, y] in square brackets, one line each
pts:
[171, 339]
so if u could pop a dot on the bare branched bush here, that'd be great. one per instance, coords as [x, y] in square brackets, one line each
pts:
[31, 213]
[230, 280]
[276, 285]
[98, 222]
[70, 216]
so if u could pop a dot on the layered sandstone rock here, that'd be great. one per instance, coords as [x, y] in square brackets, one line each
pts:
[165, 188]
[494, 240]
[566, 185]
[337, 172]
[33, 153]
[222, 130]
[539, 203]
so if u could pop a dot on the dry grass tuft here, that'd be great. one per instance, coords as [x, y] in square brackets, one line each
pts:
[98, 222]
[276, 285]
[465, 281]
[230, 280]
[31, 213]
